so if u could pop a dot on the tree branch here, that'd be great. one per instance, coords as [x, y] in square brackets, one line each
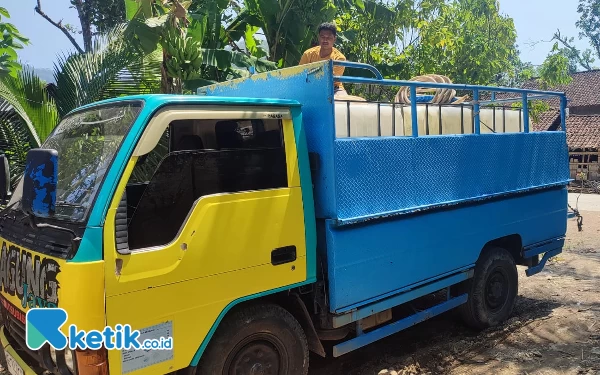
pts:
[575, 51]
[237, 48]
[58, 25]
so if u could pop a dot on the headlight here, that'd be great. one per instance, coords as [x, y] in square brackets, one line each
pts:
[53, 354]
[69, 360]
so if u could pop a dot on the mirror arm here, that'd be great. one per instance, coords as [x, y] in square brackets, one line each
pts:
[75, 241]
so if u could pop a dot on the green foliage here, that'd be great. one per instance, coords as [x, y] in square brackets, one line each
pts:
[466, 40]
[110, 69]
[289, 26]
[194, 43]
[520, 73]
[589, 24]
[469, 41]
[555, 69]
[368, 34]
[84, 78]
[10, 41]
[14, 142]
[27, 116]
[105, 15]
[28, 96]
[535, 107]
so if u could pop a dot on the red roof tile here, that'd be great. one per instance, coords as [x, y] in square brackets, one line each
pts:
[582, 91]
[583, 131]
[545, 120]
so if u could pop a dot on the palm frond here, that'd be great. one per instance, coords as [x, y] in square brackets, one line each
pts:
[85, 78]
[14, 142]
[141, 76]
[29, 98]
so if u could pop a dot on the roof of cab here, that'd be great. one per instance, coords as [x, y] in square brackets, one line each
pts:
[159, 100]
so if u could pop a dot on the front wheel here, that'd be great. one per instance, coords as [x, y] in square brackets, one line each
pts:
[257, 340]
[492, 291]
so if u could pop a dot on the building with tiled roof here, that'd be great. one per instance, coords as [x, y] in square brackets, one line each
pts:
[583, 121]
[582, 92]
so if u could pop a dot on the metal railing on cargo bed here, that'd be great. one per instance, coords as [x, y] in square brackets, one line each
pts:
[499, 118]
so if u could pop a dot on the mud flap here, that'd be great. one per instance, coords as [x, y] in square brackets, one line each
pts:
[303, 316]
[532, 253]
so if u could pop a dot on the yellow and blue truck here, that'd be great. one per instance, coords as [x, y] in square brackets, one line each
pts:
[265, 218]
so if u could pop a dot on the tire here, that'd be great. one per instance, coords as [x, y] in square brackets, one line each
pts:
[257, 338]
[492, 290]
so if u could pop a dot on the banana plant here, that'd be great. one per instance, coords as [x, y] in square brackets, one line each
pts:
[196, 48]
[184, 60]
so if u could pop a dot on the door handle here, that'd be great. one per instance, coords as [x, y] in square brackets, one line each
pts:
[283, 255]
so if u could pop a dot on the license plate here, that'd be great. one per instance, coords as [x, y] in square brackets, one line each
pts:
[13, 366]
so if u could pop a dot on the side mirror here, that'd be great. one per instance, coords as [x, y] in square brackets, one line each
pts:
[39, 183]
[4, 179]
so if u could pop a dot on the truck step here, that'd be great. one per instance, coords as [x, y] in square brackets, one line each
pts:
[395, 327]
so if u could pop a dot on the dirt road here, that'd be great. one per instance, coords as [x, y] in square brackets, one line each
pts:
[585, 202]
[555, 327]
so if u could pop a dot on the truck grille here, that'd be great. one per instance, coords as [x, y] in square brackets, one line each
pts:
[46, 241]
[15, 331]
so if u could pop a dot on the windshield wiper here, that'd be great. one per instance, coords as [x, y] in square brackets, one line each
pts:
[68, 204]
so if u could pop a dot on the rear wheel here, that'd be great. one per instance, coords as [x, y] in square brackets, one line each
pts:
[492, 290]
[257, 340]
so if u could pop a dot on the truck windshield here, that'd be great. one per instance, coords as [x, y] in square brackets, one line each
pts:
[87, 143]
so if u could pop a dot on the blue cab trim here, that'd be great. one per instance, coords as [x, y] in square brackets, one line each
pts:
[307, 194]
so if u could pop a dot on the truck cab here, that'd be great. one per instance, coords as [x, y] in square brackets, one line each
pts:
[252, 229]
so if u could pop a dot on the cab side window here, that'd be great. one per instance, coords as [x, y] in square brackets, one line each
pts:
[203, 157]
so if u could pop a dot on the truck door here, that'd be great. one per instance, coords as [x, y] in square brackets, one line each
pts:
[208, 212]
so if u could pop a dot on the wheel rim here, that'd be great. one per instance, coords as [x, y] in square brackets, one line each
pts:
[496, 289]
[259, 354]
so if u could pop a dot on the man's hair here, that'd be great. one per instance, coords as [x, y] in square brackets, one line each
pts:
[327, 26]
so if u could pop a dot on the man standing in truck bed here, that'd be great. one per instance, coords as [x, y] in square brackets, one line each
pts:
[326, 51]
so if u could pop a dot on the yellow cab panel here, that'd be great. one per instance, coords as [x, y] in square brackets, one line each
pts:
[205, 227]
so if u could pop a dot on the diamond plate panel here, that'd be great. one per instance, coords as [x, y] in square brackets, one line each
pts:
[378, 176]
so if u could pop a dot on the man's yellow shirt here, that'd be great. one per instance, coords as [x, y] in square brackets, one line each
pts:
[314, 54]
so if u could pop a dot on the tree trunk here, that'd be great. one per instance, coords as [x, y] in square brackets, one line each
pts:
[166, 82]
[86, 23]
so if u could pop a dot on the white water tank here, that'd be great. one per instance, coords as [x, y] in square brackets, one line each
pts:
[454, 119]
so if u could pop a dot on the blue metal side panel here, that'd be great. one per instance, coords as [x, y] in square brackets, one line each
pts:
[379, 176]
[369, 260]
[312, 86]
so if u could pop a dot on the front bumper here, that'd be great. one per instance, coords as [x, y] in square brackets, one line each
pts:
[10, 350]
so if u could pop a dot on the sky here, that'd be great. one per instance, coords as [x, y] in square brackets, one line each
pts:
[535, 20]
